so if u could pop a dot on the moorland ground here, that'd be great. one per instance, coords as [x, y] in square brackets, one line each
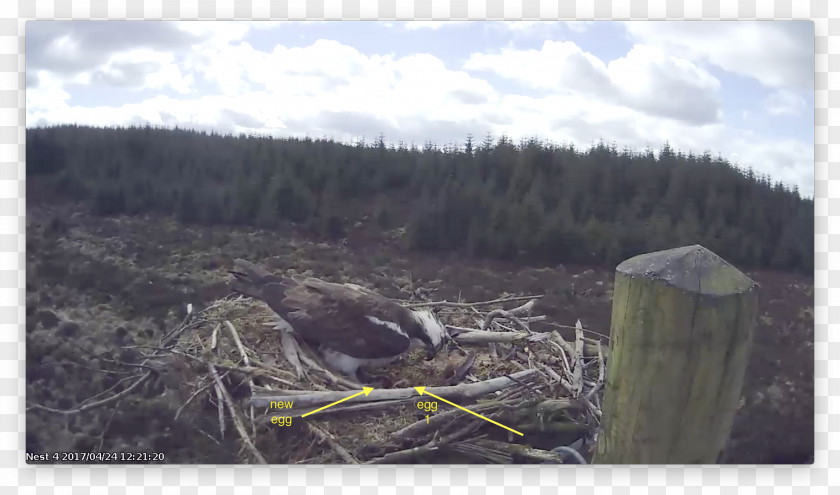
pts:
[97, 285]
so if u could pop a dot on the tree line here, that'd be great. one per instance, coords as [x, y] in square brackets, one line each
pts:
[532, 200]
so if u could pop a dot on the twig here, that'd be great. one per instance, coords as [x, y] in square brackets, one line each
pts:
[112, 387]
[214, 341]
[108, 425]
[601, 373]
[290, 346]
[327, 437]
[599, 334]
[247, 361]
[93, 405]
[509, 450]
[472, 305]
[462, 370]
[237, 422]
[401, 456]
[553, 374]
[424, 425]
[577, 372]
[505, 314]
[194, 395]
[211, 437]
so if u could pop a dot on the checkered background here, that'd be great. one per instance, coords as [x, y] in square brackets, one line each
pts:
[477, 479]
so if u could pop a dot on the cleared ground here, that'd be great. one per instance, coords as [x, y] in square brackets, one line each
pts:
[96, 285]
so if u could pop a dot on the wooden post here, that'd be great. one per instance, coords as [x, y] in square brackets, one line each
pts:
[682, 323]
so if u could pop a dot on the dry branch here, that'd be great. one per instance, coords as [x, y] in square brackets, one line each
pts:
[93, 405]
[502, 452]
[424, 426]
[482, 337]
[333, 443]
[237, 421]
[504, 314]
[461, 391]
[471, 305]
[525, 309]
[601, 372]
[577, 371]
[247, 361]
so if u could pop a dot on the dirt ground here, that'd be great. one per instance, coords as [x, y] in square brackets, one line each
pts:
[94, 284]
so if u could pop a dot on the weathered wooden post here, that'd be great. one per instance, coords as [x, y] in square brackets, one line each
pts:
[682, 323]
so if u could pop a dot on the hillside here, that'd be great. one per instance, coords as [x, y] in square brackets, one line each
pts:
[127, 226]
[533, 201]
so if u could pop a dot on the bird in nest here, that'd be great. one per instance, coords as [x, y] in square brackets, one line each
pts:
[349, 325]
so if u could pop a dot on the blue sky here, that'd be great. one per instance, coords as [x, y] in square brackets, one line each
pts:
[741, 89]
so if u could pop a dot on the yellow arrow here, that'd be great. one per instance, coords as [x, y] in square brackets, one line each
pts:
[365, 390]
[422, 390]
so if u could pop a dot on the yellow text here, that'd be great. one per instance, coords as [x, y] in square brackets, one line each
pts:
[281, 420]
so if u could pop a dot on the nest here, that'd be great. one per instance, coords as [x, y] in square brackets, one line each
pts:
[260, 383]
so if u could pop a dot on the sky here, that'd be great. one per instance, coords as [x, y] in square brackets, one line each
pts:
[741, 89]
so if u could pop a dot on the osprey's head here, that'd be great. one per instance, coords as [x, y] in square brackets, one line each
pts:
[432, 333]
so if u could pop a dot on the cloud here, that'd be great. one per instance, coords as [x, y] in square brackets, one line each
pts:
[139, 69]
[212, 78]
[242, 120]
[469, 97]
[578, 26]
[649, 80]
[645, 79]
[558, 65]
[326, 87]
[779, 54]
[70, 47]
[785, 102]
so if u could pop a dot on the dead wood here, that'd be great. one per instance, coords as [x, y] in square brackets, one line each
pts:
[461, 391]
[327, 437]
[471, 336]
[577, 370]
[426, 426]
[472, 305]
[502, 452]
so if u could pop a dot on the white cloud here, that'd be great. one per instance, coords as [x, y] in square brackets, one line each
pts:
[578, 26]
[785, 102]
[661, 84]
[45, 98]
[646, 97]
[779, 54]
[143, 68]
[645, 79]
[558, 65]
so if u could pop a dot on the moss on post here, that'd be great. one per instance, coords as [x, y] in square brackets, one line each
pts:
[682, 323]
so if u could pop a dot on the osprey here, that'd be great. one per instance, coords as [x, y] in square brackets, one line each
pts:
[350, 325]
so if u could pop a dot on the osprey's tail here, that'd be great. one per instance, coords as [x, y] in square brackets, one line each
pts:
[257, 282]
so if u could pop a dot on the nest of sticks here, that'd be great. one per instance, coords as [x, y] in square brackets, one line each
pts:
[541, 390]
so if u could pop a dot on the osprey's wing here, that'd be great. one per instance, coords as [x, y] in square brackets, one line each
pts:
[353, 320]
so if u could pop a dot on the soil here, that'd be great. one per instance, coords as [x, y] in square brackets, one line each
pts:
[96, 286]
